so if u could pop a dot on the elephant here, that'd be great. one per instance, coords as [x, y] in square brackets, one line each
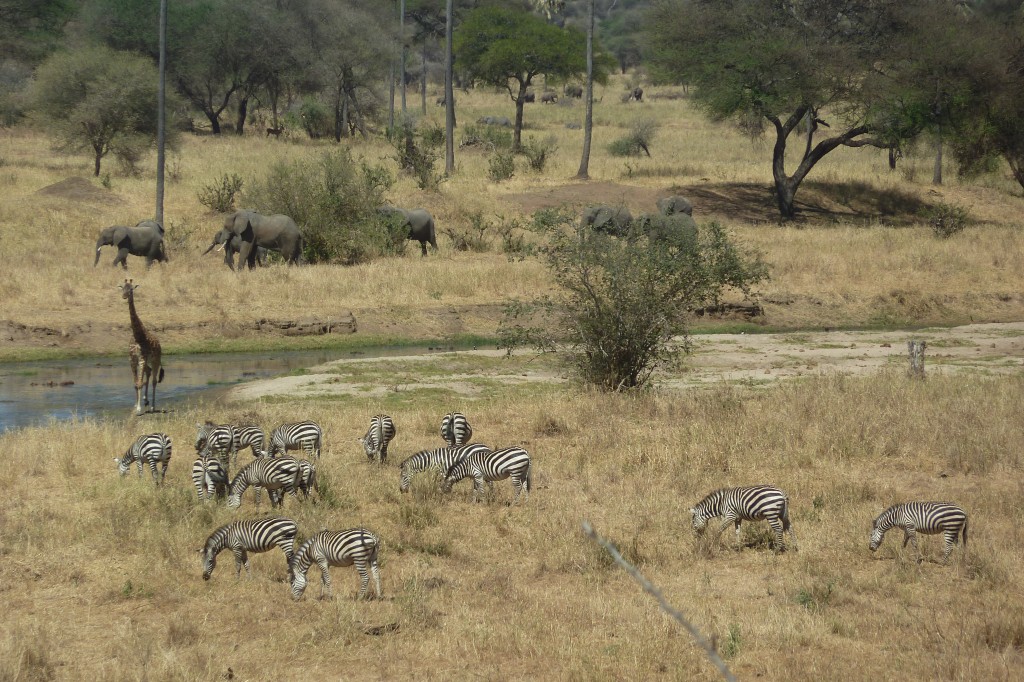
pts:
[272, 232]
[232, 244]
[549, 98]
[573, 91]
[420, 223]
[614, 220]
[675, 204]
[145, 239]
[677, 230]
[502, 121]
[636, 94]
[530, 97]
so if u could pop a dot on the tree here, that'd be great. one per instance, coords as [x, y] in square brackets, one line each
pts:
[509, 48]
[97, 99]
[588, 124]
[766, 63]
[622, 302]
[29, 31]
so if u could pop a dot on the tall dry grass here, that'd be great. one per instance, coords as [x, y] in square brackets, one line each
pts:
[831, 271]
[102, 579]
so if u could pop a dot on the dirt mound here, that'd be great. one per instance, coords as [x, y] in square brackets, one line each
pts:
[79, 189]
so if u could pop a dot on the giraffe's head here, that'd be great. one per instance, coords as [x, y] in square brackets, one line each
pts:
[128, 289]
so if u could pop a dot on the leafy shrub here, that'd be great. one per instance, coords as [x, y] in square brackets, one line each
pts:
[334, 200]
[501, 166]
[638, 140]
[947, 219]
[220, 195]
[623, 301]
[538, 152]
[316, 118]
[418, 157]
[473, 237]
[489, 137]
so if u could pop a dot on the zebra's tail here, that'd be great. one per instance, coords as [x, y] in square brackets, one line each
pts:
[785, 514]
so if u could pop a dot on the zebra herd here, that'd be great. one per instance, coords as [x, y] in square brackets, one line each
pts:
[218, 446]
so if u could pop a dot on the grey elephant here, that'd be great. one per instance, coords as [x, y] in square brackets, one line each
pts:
[675, 204]
[677, 230]
[145, 239]
[419, 222]
[272, 232]
[232, 244]
[572, 90]
[614, 220]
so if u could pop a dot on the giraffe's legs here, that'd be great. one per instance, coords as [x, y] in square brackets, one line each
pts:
[135, 357]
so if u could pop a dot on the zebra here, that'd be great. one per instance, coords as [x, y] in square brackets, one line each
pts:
[455, 429]
[752, 503]
[307, 478]
[441, 459]
[209, 477]
[152, 448]
[306, 435]
[337, 548]
[273, 474]
[217, 439]
[249, 436]
[380, 433]
[929, 518]
[512, 462]
[242, 537]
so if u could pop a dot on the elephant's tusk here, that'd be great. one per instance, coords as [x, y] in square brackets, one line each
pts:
[220, 248]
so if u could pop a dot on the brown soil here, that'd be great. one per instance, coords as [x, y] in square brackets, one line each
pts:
[77, 189]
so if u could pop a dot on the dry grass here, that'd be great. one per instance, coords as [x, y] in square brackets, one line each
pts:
[518, 592]
[845, 265]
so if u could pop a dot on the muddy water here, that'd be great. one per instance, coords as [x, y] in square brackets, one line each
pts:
[36, 392]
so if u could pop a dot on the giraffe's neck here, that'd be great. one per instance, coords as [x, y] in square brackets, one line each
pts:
[139, 331]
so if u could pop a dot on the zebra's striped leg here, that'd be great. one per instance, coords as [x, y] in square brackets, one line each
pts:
[910, 535]
[951, 539]
[240, 560]
[163, 471]
[776, 526]
[375, 569]
[325, 578]
[364, 579]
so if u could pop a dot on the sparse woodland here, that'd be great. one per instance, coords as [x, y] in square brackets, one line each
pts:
[100, 573]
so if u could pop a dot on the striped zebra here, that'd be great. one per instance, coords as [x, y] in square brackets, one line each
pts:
[307, 478]
[218, 440]
[152, 448]
[273, 474]
[209, 477]
[929, 518]
[249, 436]
[752, 503]
[242, 537]
[380, 433]
[306, 435]
[455, 429]
[337, 548]
[441, 459]
[490, 466]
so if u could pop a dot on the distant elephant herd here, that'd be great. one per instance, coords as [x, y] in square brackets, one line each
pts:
[251, 235]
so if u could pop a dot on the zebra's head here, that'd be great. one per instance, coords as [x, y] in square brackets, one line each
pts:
[209, 556]
[122, 463]
[876, 535]
[235, 500]
[700, 522]
[298, 582]
[368, 445]
[406, 480]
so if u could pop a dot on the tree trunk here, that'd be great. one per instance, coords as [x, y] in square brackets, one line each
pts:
[892, 158]
[588, 125]
[391, 100]
[401, 39]
[423, 78]
[243, 110]
[345, 131]
[937, 171]
[214, 122]
[449, 94]
[96, 165]
[517, 133]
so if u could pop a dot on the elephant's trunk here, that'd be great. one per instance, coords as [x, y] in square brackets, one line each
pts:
[95, 262]
[209, 248]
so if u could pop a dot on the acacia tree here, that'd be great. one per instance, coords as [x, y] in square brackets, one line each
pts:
[99, 100]
[775, 64]
[508, 48]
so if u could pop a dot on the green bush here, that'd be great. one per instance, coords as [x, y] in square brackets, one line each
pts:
[622, 302]
[947, 219]
[639, 139]
[473, 237]
[501, 166]
[334, 199]
[489, 137]
[220, 196]
[537, 152]
[417, 153]
[316, 118]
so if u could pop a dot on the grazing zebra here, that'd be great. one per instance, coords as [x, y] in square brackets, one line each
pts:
[491, 466]
[337, 548]
[153, 448]
[273, 474]
[441, 459]
[219, 440]
[380, 433]
[306, 435]
[249, 436]
[307, 478]
[455, 429]
[242, 537]
[929, 518]
[752, 503]
[209, 477]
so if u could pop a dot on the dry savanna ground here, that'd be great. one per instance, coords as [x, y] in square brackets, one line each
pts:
[100, 576]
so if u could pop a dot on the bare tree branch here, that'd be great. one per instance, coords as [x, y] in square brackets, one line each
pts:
[652, 590]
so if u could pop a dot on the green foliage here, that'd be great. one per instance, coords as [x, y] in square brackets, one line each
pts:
[947, 219]
[473, 237]
[623, 301]
[537, 152]
[501, 165]
[417, 153]
[98, 100]
[334, 200]
[490, 137]
[315, 117]
[638, 140]
[220, 196]
[731, 644]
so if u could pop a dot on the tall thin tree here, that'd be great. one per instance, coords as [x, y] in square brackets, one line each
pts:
[449, 95]
[588, 125]
[401, 61]
[161, 122]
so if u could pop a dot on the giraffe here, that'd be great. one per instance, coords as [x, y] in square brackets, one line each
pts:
[143, 353]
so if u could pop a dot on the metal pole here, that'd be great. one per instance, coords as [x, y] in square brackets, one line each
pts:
[160, 118]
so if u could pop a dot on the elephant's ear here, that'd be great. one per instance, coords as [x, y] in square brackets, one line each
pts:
[247, 233]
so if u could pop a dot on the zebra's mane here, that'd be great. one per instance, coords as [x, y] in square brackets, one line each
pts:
[302, 554]
[217, 538]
